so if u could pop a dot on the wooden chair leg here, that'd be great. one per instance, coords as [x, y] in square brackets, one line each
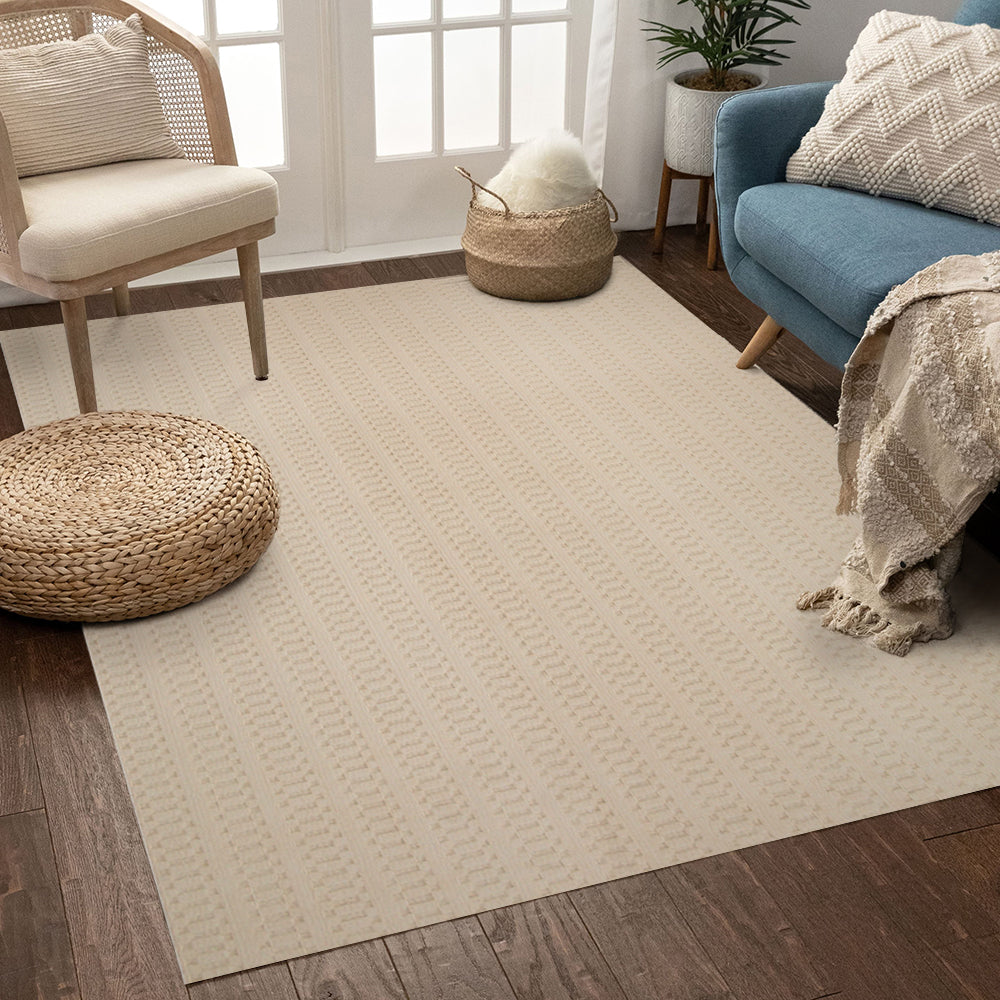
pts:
[253, 302]
[704, 189]
[123, 305]
[765, 338]
[666, 178]
[74, 314]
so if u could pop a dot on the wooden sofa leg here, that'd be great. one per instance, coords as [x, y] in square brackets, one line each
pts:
[74, 314]
[765, 338]
[253, 302]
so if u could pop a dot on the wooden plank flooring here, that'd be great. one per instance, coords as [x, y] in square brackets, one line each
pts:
[906, 905]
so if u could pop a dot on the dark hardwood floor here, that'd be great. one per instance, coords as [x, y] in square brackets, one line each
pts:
[900, 906]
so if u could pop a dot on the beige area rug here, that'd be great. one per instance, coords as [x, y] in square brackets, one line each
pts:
[528, 623]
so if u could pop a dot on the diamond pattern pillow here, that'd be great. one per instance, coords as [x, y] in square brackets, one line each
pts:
[83, 103]
[917, 117]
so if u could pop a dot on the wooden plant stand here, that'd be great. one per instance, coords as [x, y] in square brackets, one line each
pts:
[705, 203]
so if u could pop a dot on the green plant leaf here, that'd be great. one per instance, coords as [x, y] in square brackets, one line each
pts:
[731, 33]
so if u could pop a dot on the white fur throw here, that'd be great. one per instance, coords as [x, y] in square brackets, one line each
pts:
[545, 173]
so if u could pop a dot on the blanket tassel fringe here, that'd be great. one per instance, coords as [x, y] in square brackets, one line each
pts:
[844, 614]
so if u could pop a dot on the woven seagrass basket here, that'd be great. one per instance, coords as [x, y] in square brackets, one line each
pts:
[538, 256]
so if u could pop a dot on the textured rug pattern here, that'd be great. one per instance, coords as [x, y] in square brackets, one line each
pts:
[528, 622]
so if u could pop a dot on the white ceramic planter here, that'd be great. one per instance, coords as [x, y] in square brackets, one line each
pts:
[689, 124]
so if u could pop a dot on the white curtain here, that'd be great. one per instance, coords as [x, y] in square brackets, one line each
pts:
[623, 117]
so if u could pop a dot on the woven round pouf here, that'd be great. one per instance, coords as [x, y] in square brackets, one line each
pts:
[108, 516]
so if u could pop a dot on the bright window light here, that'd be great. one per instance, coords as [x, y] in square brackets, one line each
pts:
[471, 88]
[534, 6]
[404, 114]
[470, 8]
[399, 11]
[251, 75]
[188, 14]
[236, 17]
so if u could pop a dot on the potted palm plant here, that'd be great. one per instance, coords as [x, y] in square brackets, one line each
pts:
[731, 34]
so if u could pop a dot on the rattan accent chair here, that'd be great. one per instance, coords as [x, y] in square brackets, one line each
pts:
[69, 233]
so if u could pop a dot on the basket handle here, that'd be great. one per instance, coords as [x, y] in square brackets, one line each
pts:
[475, 184]
[611, 204]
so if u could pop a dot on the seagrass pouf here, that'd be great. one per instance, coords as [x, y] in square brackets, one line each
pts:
[109, 516]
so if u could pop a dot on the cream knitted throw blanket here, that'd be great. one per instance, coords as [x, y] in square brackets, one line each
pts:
[919, 449]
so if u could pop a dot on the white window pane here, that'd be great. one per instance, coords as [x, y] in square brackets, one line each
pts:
[400, 11]
[531, 6]
[251, 75]
[538, 79]
[471, 88]
[403, 90]
[234, 17]
[188, 14]
[470, 8]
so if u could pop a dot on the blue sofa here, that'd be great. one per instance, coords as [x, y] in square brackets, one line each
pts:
[819, 260]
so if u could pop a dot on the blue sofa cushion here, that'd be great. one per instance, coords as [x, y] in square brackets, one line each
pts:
[843, 250]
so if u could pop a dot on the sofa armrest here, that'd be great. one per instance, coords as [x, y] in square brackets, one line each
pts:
[755, 134]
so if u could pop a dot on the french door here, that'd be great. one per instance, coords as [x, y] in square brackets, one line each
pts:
[361, 108]
[271, 56]
[426, 85]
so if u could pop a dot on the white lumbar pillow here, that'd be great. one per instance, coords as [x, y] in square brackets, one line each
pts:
[545, 173]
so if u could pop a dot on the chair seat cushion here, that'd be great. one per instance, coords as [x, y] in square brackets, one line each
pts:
[85, 222]
[843, 250]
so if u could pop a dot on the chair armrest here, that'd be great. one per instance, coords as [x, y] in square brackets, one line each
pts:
[755, 134]
[169, 42]
[13, 221]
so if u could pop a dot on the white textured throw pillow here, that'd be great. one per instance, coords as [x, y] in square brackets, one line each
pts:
[917, 117]
[83, 103]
